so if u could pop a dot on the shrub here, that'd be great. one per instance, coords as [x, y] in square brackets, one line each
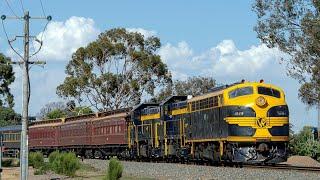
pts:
[304, 144]
[7, 162]
[36, 160]
[70, 164]
[55, 159]
[114, 170]
[15, 163]
[64, 163]
[53, 156]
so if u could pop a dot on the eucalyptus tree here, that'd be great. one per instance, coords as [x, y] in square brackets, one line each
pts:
[194, 86]
[293, 26]
[115, 70]
[6, 79]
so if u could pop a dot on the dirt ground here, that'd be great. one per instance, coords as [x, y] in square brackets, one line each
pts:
[84, 173]
[13, 173]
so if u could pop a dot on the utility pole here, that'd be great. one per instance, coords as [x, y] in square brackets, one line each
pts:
[25, 102]
[318, 107]
[26, 87]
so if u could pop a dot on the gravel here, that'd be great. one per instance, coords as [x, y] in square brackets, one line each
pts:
[302, 161]
[183, 171]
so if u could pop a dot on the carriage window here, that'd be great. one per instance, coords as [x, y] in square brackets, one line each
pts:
[241, 92]
[269, 92]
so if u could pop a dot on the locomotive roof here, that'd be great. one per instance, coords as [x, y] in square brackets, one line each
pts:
[143, 105]
[10, 128]
[170, 98]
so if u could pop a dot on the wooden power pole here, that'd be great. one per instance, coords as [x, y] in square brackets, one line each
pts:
[25, 89]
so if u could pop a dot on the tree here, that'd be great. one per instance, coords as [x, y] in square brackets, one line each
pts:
[57, 107]
[304, 143]
[115, 70]
[54, 110]
[82, 111]
[293, 26]
[55, 114]
[8, 116]
[6, 78]
[194, 86]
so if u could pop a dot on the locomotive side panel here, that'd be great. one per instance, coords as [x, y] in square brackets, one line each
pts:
[206, 119]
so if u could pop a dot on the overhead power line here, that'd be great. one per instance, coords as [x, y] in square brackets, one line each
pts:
[44, 14]
[22, 7]
[8, 4]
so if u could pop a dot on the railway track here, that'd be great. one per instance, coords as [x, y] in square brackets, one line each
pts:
[275, 166]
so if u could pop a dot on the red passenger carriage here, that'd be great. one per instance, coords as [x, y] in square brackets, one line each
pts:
[45, 134]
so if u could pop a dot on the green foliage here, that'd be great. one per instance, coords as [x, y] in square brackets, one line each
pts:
[42, 170]
[55, 114]
[55, 110]
[7, 163]
[53, 156]
[10, 162]
[115, 70]
[293, 27]
[304, 144]
[192, 86]
[114, 170]
[8, 117]
[64, 163]
[6, 78]
[36, 160]
[82, 111]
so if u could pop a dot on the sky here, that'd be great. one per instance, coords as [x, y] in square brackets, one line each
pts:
[206, 38]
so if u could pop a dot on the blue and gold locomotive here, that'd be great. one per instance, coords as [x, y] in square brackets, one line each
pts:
[245, 122]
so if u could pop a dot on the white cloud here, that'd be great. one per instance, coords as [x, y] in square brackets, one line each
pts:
[144, 32]
[43, 86]
[220, 61]
[61, 39]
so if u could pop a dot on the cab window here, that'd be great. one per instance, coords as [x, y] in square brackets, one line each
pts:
[269, 92]
[241, 92]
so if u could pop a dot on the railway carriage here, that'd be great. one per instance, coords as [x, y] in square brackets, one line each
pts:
[109, 133]
[45, 135]
[10, 140]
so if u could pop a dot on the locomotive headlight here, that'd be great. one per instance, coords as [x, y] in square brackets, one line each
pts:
[240, 111]
[261, 101]
[281, 113]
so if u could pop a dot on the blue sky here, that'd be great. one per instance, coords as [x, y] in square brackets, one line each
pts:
[212, 38]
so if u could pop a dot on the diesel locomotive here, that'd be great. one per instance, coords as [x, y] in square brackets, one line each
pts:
[245, 122]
